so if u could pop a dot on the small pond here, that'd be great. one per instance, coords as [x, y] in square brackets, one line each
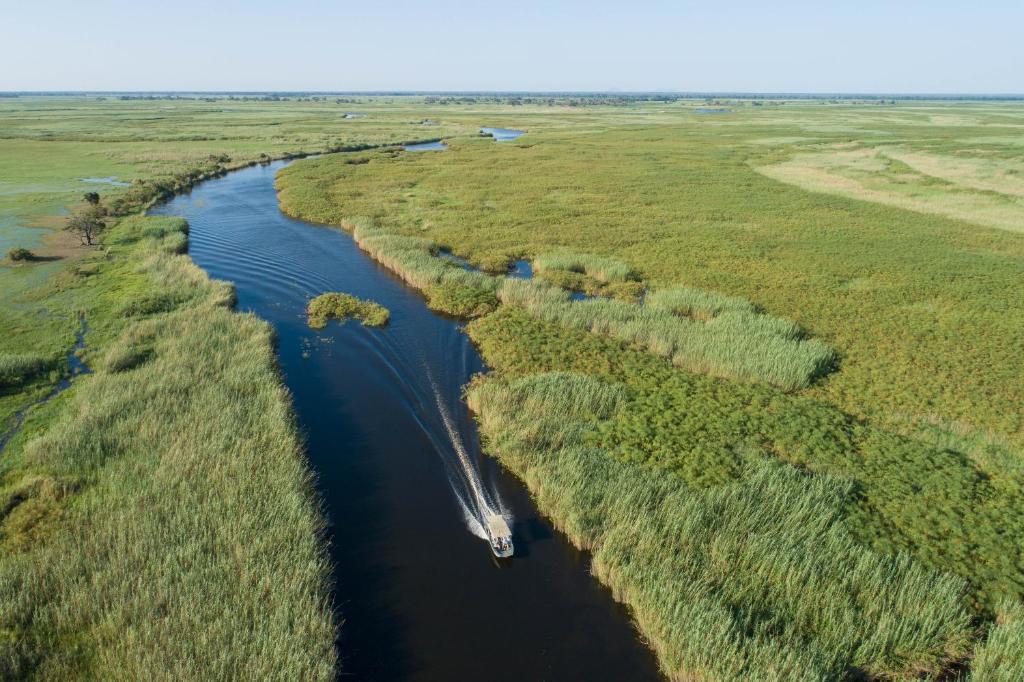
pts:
[502, 134]
[112, 180]
[521, 269]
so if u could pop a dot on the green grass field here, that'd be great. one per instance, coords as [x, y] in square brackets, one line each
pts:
[791, 432]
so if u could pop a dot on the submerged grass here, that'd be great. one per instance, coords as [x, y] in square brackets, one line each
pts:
[340, 306]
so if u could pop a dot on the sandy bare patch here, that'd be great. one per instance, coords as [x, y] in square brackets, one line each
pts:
[62, 244]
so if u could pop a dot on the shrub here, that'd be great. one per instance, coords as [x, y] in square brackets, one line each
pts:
[20, 254]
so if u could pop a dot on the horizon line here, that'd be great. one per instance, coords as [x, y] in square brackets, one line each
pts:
[545, 93]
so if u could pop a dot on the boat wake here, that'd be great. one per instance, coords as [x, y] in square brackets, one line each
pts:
[452, 435]
[478, 501]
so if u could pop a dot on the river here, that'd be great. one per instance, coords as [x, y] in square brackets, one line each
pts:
[396, 455]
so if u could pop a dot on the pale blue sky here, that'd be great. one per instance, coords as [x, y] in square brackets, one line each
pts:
[902, 46]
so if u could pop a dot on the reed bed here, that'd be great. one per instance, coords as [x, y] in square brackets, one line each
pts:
[737, 343]
[697, 303]
[340, 306]
[448, 287]
[601, 268]
[162, 525]
[701, 430]
[757, 579]
[1001, 657]
[17, 368]
[683, 201]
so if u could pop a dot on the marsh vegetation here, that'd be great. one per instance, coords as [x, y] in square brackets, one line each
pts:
[185, 411]
[340, 306]
[755, 579]
[699, 273]
[785, 420]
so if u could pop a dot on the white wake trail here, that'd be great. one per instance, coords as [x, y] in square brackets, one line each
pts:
[483, 502]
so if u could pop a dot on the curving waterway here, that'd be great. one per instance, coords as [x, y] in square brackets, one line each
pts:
[400, 470]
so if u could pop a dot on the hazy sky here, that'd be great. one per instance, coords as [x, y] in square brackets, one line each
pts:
[901, 46]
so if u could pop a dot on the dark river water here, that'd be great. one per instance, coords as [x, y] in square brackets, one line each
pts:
[400, 470]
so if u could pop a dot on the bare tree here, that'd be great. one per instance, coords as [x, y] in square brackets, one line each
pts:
[87, 223]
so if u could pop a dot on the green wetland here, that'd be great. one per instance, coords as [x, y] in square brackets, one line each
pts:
[760, 366]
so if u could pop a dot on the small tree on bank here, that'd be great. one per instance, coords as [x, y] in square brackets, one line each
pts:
[87, 224]
[92, 198]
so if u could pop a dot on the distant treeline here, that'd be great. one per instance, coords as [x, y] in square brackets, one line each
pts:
[513, 97]
[237, 98]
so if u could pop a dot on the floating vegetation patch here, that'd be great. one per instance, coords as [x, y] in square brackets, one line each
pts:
[340, 306]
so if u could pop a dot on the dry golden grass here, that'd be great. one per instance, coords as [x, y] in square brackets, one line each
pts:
[988, 175]
[965, 191]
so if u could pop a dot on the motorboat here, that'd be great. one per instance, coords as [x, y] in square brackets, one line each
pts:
[500, 536]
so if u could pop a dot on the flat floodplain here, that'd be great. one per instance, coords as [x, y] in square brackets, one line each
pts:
[853, 513]
[922, 305]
